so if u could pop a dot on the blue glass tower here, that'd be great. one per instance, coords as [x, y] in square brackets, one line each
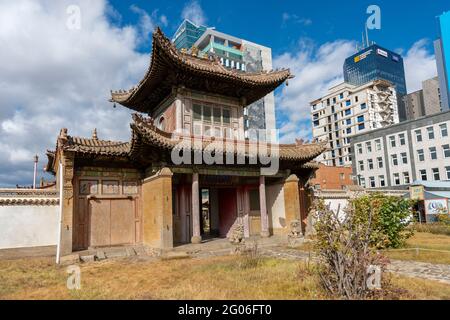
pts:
[375, 63]
[187, 34]
[442, 50]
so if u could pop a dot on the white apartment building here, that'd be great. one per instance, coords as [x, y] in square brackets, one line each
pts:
[347, 110]
[401, 154]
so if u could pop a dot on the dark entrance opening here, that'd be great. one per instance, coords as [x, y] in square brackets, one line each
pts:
[205, 213]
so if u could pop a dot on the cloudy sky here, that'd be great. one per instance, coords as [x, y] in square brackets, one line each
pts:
[57, 71]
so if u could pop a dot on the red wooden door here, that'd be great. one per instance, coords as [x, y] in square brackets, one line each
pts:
[227, 210]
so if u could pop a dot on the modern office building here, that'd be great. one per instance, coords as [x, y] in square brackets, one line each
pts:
[240, 55]
[186, 34]
[347, 110]
[395, 156]
[442, 52]
[376, 63]
[424, 102]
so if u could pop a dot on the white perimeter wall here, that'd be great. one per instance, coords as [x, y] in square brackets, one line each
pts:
[28, 226]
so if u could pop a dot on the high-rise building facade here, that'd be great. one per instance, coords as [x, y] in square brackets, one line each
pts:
[396, 156]
[442, 52]
[424, 102]
[186, 34]
[347, 110]
[377, 63]
[240, 55]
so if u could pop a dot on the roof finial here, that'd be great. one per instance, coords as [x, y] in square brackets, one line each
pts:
[94, 134]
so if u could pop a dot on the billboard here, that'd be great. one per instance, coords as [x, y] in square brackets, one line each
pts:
[436, 206]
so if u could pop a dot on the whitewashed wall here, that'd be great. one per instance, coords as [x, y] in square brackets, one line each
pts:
[28, 226]
[275, 205]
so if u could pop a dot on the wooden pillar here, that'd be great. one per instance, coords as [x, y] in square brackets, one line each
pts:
[67, 160]
[291, 200]
[263, 208]
[196, 237]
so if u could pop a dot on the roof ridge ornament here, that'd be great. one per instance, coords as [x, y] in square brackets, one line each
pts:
[94, 134]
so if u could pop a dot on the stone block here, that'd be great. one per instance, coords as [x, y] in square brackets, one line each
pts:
[69, 259]
[88, 258]
[100, 255]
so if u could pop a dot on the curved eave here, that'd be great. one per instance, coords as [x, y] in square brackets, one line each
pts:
[146, 134]
[165, 56]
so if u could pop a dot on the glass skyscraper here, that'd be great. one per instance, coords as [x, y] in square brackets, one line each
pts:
[375, 63]
[187, 34]
[442, 50]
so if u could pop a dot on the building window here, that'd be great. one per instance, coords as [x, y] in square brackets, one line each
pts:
[348, 112]
[348, 130]
[406, 179]
[378, 144]
[421, 155]
[423, 175]
[433, 153]
[348, 103]
[356, 99]
[341, 96]
[380, 162]
[370, 164]
[418, 135]
[430, 131]
[404, 158]
[369, 147]
[444, 131]
[348, 121]
[362, 182]
[392, 141]
[361, 165]
[436, 175]
[382, 181]
[402, 139]
[372, 182]
[397, 179]
[361, 126]
[363, 106]
[360, 149]
[360, 118]
[394, 160]
[447, 169]
[446, 149]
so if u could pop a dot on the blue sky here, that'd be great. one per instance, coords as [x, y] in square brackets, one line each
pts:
[403, 22]
[54, 77]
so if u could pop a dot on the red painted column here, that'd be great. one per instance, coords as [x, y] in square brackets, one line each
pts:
[263, 208]
[196, 237]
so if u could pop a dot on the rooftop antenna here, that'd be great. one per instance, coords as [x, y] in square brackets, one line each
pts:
[367, 36]
[362, 37]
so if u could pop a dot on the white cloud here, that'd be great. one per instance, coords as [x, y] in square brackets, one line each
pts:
[147, 23]
[420, 65]
[287, 17]
[52, 77]
[194, 12]
[316, 69]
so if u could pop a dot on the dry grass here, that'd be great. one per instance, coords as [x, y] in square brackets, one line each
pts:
[214, 278]
[424, 240]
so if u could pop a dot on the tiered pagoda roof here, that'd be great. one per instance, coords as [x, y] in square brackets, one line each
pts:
[170, 67]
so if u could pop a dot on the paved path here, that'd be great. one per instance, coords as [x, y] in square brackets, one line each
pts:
[277, 248]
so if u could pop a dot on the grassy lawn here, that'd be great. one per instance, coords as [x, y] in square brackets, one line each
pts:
[425, 241]
[213, 278]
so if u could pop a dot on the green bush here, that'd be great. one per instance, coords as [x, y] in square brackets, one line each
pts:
[444, 219]
[391, 217]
